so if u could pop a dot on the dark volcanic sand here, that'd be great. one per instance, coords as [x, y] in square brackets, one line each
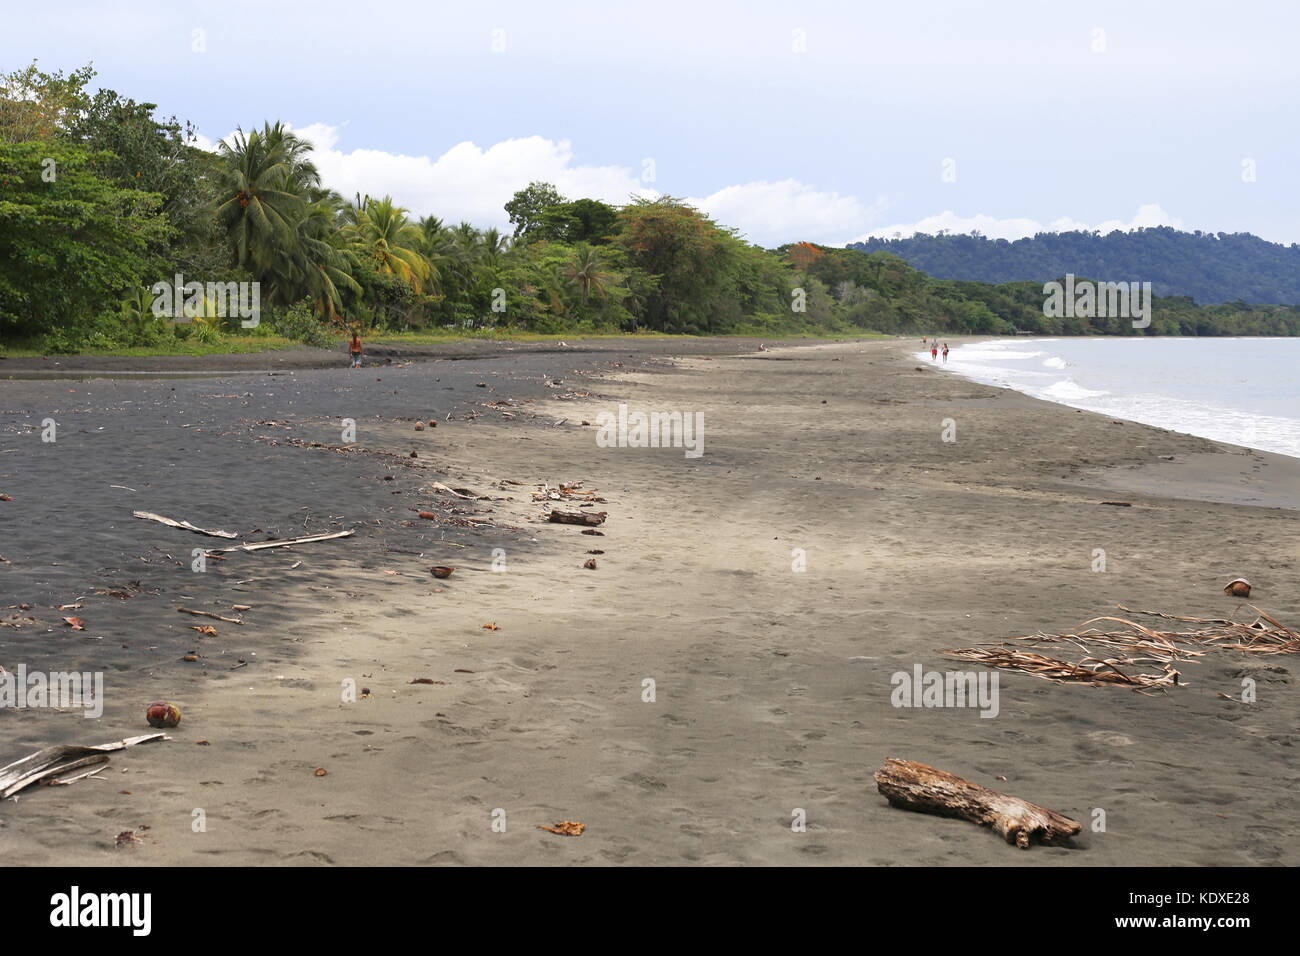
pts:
[773, 687]
[200, 449]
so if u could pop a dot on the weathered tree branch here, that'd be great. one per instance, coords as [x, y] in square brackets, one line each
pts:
[914, 786]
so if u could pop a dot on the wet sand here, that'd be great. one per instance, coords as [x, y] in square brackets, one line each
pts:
[771, 686]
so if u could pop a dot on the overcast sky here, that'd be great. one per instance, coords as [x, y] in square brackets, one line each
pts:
[816, 121]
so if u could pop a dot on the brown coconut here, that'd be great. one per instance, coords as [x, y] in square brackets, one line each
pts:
[1238, 587]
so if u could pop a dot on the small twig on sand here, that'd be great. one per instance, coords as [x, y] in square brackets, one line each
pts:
[218, 617]
[262, 545]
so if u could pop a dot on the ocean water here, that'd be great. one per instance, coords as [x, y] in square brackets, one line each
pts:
[1245, 391]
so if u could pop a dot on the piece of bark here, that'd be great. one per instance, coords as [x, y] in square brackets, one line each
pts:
[56, 775]
[150, 516]
[66, 778]
[53, 761]
[914, 786]
[577, 517]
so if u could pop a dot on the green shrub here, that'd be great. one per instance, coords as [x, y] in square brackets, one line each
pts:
[205, 333]
[300, 323]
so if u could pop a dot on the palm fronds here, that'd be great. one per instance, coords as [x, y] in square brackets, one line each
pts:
[1140, 657]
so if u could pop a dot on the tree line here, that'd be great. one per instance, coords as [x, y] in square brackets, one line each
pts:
[100, 198]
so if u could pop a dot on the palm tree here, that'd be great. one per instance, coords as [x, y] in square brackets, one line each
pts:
[437, 246]
[384, 234]
[303, 173]
[588, 272]
[261, 195]
[492, 246]
[135, 312]
[322, 265]
[431, 226]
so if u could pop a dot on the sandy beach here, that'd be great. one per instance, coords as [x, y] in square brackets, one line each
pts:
[726, 663]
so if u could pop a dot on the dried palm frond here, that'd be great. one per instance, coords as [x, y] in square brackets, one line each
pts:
[1147, 655]
[1095, 671]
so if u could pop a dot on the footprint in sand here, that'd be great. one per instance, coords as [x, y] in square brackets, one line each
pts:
[1110, 739]
[645, 781]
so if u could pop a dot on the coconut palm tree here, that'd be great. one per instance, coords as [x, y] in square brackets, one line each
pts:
[303, 173]
[262, 181]
[492, 246]
[439, 248]
[384, 234]
[323, 263]
[588, 272]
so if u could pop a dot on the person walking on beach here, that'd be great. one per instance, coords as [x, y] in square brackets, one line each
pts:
[934, 351]
[945, 353]
[354, 349]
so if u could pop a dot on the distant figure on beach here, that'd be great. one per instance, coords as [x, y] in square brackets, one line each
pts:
[945, 353]
[934, 351]
[354, 349]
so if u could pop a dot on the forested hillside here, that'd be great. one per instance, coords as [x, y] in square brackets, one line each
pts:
[880, 291]
[1208, 267]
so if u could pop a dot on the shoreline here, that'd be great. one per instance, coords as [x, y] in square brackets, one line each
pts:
[976, 340]
[1223, 473]
[772, 684]
[380, 354]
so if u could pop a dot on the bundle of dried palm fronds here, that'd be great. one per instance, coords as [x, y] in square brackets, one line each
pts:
[1264, 635]
[1143, 658]
[1089, 670]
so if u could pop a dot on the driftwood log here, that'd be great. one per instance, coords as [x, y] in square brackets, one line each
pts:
[914, 786]
[577, 517]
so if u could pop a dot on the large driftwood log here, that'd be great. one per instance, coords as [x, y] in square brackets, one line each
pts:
[577, 517]
[914, 786]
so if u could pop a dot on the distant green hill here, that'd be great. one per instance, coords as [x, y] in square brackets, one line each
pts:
[880, 291]
[1208, 267]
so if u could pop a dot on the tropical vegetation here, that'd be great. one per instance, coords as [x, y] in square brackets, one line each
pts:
[101, 199]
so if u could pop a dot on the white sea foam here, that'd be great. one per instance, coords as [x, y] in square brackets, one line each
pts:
[1240, 391]
[1068, 390]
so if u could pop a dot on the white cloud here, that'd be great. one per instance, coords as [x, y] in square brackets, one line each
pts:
[202, 142]
[472, 183]
[1148, 214]
[773, 213]
[466, 182]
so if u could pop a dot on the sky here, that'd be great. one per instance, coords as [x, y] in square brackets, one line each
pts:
[817, 121]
